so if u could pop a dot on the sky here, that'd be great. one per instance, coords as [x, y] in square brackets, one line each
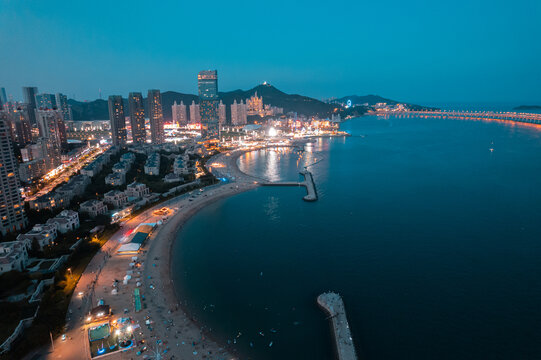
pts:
[415, 51]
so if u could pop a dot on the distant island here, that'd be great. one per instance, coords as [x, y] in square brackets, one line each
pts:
[98, 109]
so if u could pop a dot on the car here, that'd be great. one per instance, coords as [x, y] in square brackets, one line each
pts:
[63, 337]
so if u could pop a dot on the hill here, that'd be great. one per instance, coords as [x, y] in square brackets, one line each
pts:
[98, 109]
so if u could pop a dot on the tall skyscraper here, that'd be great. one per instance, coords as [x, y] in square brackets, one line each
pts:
[118, 120]
[195, 116]
[208, 99]
[3, 97]
[46, 102]
[221, 113]
[155, 115]
[137, 117]
[238, 113]
[53, 131]
[12, 215]
[180, 116]
[62, 105]
[29, 95]
[22, 130]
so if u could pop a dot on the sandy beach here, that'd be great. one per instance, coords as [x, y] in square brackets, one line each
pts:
[170, 326]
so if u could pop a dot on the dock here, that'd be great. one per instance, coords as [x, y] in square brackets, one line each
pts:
[308, 183]
[333, 305]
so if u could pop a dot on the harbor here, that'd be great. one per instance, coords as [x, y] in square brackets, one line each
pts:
[333, 305]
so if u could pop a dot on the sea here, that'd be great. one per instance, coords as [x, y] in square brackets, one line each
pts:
[429, 229]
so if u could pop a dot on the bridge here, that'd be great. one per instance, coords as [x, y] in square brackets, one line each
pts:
[528, 118]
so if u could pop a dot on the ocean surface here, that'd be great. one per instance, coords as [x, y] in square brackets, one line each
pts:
[433, 240]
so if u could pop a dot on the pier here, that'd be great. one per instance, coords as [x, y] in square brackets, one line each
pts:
[333, 305]
[308, 183]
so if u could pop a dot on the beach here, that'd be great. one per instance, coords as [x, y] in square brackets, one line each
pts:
[170, 330]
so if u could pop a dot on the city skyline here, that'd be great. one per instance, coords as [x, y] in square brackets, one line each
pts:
[452, 57]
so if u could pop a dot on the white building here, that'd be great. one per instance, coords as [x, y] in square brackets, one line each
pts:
[180, 166]
[239, 113]
[128, 158]
[93, 207]
[116, 198]
[136, 190]
[115, 179]
[195, 115]
[221, 113]
[179, 114]
[13, 256]
[12, 215]
[152, 165]
[67, 220]
[42, 233]
[121, 167]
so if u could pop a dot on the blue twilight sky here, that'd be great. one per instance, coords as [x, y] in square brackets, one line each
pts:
[417, 51]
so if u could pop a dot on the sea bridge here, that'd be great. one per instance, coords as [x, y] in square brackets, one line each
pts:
[520, 117]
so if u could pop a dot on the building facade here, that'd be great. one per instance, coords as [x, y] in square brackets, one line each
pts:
[63, 106]
[29, 95]
[180, 116]
[118, 120]
[239, 113]
[207, 81]
[46, 102]
[12, 214]
[195, 116]
[221, 113]
[137, 117]
[155, 115]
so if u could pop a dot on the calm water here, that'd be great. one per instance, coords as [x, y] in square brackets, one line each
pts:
[433, 241]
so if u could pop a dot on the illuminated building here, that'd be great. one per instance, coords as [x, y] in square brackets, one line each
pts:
[21, 127]
[238, 113]
[207, 81]
[53, 132]
[137, 117]
[221, 113]
[118, 121]
[3, 97]
[29, 94]
[62, 105]
[195, 116]
[45, 102]
[155, 114]
[12, 215]
[255, 105]
[179, 114]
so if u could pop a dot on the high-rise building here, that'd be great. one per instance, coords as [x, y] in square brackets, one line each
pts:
[195, 116]
[179, 114]
[155, 115]
[22, 130]
[62, 105]
[53, 131]
[3, 97]
[118, 120]
[45, 102]
[137, 117]
[29, 95]
[12, 215]
[255, 105]
[208, 99]
[221, 113]
[239, 113]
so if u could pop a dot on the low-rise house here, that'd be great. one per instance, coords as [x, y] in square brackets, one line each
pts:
[136, 190]
[13, 256]
[46, 201]
[42, 233]
[172, 178]
[180, 166]
[128, 158]
[93, 208]
[67, 220]
[152, 165]
[116, 198]
[115, 179]
[121, 167]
